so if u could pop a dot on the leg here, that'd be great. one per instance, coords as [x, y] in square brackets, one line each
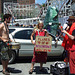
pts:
[4, 65]
[31, 70]
[41, 67]
[4, 58]
[32, 65]
[4, 68]
[41, 64]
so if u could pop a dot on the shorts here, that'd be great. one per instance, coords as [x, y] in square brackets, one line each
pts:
[4, 51]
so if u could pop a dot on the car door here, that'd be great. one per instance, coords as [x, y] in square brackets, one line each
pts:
[56, 51]
[23, 37]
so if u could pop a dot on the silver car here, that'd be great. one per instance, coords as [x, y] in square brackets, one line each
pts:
[22, 36]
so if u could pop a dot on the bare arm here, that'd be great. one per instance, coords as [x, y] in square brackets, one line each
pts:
[32, 37]
[1, 27]
[47, 33]
[69, 35]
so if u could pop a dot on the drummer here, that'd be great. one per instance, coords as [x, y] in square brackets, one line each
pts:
[4, 38]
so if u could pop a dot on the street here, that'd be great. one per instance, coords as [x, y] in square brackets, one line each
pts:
[22, 66]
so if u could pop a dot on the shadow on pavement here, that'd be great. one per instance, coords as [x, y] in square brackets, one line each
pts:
[13, 70]
[44, 71]
[29, 59]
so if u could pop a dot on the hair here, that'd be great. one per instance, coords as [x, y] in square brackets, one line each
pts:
[39, 23]
[6, 16]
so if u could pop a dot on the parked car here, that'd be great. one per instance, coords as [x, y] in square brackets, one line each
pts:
[22, 36]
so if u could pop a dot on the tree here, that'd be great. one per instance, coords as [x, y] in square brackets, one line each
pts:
[1, 15]
[43, 5]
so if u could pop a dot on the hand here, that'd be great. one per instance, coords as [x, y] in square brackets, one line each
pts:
[33, 43]
[5, 41]
[11, 40]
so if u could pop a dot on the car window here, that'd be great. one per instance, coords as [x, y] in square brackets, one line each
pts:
[23, 34]
[11, 30]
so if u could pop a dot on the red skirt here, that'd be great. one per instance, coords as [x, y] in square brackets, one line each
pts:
[39, 57]
[72, 61]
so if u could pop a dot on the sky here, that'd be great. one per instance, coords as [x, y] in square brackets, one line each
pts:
[40, 1]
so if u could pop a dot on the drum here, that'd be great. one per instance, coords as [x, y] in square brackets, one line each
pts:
[14, 45]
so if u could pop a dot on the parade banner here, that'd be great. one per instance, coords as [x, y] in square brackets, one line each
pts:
[43, 43]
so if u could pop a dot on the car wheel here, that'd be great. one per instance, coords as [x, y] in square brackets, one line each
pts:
[12, 56]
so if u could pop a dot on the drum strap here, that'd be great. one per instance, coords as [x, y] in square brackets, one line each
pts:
[6, 27]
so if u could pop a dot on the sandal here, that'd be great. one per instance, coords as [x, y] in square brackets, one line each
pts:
[5, 72]
[31, 71]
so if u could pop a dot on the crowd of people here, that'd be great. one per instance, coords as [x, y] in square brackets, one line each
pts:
[26, 26]
[40, 57]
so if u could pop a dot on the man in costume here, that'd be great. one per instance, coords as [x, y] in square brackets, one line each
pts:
[69, 43]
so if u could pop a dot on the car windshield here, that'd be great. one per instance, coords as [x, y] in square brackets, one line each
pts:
[11, 30]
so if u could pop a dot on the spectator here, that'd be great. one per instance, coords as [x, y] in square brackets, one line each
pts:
[59, 30]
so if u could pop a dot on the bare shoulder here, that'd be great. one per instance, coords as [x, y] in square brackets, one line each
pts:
[45, 30]
[35, 30]
[1, 25]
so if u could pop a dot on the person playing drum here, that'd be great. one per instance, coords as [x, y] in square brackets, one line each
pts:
[4, 38]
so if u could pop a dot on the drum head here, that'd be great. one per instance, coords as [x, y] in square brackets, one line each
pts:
[14, 43]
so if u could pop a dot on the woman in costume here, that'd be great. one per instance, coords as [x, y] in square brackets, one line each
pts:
[38, 57]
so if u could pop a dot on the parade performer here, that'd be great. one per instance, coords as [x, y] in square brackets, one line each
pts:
[69, 44]
[38, 57]
[67, 28]
[4, 38]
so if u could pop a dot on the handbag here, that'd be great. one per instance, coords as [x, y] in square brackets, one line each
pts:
[59, 68]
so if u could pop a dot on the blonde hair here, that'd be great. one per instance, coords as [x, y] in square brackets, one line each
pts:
[37, 26]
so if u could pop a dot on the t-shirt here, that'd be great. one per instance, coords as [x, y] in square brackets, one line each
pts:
[64, 26]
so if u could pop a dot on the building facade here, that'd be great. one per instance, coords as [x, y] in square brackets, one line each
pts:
[23, 2]
[10, 1]
[26, 2]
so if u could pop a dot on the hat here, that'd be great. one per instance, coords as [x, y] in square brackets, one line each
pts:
[71, 18]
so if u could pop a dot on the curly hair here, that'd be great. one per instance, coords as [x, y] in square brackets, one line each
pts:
[6, 16]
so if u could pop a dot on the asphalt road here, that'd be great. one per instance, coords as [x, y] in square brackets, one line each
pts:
[22, 66]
